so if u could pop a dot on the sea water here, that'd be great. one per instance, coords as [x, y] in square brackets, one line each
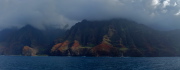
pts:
[88, 63]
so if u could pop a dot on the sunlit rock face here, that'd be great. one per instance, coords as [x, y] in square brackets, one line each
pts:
[64, 49]
[28, 51]
[105, 48]
[61, 49]
[78, 50]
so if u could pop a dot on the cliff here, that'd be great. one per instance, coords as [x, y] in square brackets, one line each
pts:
[119, 37]
[115, 37]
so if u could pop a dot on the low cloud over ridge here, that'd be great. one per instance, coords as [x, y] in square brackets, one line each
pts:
[161, 14]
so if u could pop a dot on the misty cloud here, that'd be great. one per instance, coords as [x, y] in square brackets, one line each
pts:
[162, 14]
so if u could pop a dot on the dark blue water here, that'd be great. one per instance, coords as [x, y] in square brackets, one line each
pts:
[88, 63]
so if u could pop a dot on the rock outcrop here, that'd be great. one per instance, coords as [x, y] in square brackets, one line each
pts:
[78, 50]
[105, 48]
[28, 51]
[64, 49]
[61, 49]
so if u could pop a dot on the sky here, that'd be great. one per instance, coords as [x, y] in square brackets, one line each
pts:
[159, 14]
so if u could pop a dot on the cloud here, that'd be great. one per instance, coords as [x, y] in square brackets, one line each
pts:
[37, 13]
[161, 14]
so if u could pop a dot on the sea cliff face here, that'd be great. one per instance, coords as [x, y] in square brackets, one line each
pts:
[115, 37]
[28, 51]
[12, 41]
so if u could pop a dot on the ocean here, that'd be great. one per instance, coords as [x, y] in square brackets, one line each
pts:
[88, 63]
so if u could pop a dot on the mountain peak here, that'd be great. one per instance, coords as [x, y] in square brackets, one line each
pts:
[28, 26]
[84, 20]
